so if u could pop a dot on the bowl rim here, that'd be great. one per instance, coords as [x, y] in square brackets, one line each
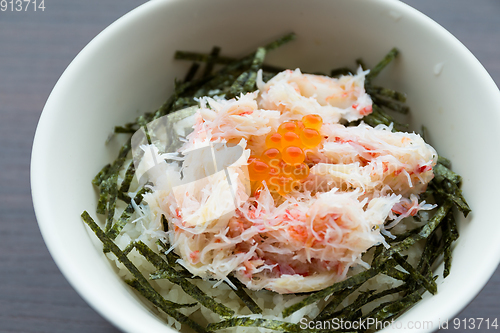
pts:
[37, 162]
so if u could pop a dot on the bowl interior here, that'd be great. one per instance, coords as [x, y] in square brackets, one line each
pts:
[129, 69]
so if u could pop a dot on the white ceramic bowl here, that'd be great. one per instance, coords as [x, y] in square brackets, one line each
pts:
[129, 69]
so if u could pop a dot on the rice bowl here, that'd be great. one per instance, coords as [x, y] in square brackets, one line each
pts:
[147, 96]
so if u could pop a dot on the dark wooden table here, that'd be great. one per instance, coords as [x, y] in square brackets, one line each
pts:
[35, 48]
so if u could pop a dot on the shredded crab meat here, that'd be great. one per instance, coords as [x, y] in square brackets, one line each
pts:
[362, 182]
[296, 94]
[373, 158]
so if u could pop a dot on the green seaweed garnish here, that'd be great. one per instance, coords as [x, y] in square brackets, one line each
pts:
[444, 161]
[140, 283]
[113, 193]
[113, 230]
[347, 283]
[416, 275]
[391, 309]
[375, 71]
[129, 176]
[341, 71]
[187, 286]
[441, 172]
[397, 107]
[244, 297]
[450, 234]
[337, 298]
[397, 274]
[361, 63]
[101, 174]
[387, 93]
[276, 325]
[192, 72]
[209, 66]
[124, 130]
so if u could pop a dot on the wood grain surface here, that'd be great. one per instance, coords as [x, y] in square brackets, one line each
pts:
[35, 48]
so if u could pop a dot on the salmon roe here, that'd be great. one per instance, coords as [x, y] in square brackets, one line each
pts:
[282, 165]
[313, 121]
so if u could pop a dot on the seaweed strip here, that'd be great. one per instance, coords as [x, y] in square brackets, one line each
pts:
[233, 69]
[372, 120]
[397, 274]
[244, 297]
[387, 118]
[124, 130]
[416, 275]
[452, 191]
[424, 233]
[202, 57]
[387, 292]
[405, 235]
[209, 66]
[457, 197]
[341, 71]
[280, 41]
[103, 196]
[246, 81]
[431, 246]
[144, 290]
[271, 324]
[113, 192]
[425, 134]
[338, 298]
[378, 116]
[100, 175]
[107, 179]
[382, 64]
[187, 286]
[388, 93]
[141, 284]
[192, 72]
[164, 223]
[361, 63]
[444, 161]
[397, 107]
[181, 318]
[222, 60]
[238, 85]
[450, 234]
[124, 197]
[129, 176]
[163, 274]
[256, 65]
[350, 282]
[449, 237]
[442, 172]
[167, 107]
[395, 308]
[369, 297]
[172, 259]
[113, 231]
[350, 311]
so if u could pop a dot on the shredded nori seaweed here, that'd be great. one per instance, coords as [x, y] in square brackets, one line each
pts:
[347, 283]
[244, 297]
[259, 322]
[187, 286]
[140, 283]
